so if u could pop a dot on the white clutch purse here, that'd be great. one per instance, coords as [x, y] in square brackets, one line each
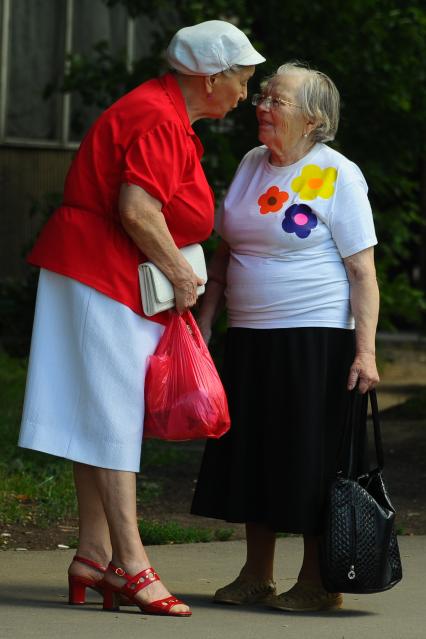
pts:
[157, 291]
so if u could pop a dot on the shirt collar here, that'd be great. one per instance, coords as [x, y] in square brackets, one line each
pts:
[173, 90]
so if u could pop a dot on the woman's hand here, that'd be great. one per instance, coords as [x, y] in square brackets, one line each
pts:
[186, 292]
[363, 372]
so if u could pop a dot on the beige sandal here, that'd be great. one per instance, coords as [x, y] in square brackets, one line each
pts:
[244, 590]
[305, 596]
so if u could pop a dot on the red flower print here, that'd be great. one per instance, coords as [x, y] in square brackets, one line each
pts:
[272, 201]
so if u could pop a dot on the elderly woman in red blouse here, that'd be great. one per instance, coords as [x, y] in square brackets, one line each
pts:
[136, 191]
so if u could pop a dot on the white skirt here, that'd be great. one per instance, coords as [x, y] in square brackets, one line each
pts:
[84, 398]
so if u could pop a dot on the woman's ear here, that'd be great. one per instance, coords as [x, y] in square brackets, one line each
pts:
[209, 81]
[310, 125]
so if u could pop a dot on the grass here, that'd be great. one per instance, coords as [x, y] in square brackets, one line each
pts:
[37, 489]
[161, 454]
[36, 497]
[153, 532]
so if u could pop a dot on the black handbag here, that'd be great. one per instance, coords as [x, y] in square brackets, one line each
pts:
[359, 549]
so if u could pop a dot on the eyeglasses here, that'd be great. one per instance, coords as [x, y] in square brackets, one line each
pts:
[271, 103]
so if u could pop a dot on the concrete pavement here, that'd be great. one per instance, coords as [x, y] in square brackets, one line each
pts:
[33, 596]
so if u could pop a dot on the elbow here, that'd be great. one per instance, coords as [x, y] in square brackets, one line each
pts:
[135, 221]
[359, 271]
[359, 275]
[129, 217]
[360, 266]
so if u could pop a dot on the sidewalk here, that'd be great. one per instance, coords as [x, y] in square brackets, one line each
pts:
[33, 598]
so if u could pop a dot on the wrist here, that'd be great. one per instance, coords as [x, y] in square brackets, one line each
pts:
[182, 276]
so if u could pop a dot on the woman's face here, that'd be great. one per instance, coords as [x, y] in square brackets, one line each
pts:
[282, 126]
[228, 90]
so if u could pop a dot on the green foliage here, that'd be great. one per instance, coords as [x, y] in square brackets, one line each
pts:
[373, 49]
[12, 384]
[223, 534]
[157, 533]
[18, 295]
[158, 454]
[184, 11]
[17, 300]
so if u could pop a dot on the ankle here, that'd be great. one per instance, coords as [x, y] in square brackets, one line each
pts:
[131, 565]
[256, 573]
[94, 552]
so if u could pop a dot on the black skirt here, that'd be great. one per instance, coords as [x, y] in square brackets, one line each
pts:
[289, 405]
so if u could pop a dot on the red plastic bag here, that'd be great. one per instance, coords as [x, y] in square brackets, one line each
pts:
[184, 397]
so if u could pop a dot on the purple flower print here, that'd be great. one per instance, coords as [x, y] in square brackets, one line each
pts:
[299, 219]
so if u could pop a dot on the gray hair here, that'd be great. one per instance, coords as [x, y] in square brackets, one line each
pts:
[318, 96]
[235, 68]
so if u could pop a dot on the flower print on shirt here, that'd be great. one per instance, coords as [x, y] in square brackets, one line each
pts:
[299, 219]
[315, 182]
[272, 201]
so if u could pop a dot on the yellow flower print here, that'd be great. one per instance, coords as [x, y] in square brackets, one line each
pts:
[315, 182]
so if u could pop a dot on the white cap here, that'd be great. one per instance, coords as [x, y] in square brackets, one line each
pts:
[210, 47]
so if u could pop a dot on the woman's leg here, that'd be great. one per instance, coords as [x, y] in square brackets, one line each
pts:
[261, 549]
[260, 552]
[94, 539]
[308, 593]
[310, 570]
[255, 582]
[117, 490]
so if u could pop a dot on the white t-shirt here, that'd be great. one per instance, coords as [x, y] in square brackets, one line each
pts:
[288, 229]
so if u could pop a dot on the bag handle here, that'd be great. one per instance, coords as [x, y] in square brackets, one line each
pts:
[350, 434]
[190, 322]
[377, 432]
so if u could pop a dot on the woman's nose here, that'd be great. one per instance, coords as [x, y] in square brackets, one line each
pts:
[264, 106]
[243, 93]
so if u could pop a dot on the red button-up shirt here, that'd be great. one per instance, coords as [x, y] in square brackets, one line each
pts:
[145, 138]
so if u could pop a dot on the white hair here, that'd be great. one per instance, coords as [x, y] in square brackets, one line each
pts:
[318, 96]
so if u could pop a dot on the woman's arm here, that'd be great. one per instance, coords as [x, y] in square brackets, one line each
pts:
[212, 300]
[365, 308]
[143, 220]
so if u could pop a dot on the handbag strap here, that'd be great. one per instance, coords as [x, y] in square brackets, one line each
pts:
[377, 432]
[350, 436]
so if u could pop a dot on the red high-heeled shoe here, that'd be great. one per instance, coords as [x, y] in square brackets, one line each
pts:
[77, 584]
[135, 583]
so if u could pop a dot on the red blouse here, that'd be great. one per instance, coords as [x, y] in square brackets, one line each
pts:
[145, 138]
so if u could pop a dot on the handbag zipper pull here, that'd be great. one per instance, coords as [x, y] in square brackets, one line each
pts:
[351, 573]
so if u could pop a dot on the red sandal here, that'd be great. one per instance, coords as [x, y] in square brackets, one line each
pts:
[77, 585]
[135, 583]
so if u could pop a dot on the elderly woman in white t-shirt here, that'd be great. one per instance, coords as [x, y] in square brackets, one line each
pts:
[296, 264]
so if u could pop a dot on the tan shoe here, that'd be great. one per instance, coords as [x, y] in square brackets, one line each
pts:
[244, 590]
[307, 597]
